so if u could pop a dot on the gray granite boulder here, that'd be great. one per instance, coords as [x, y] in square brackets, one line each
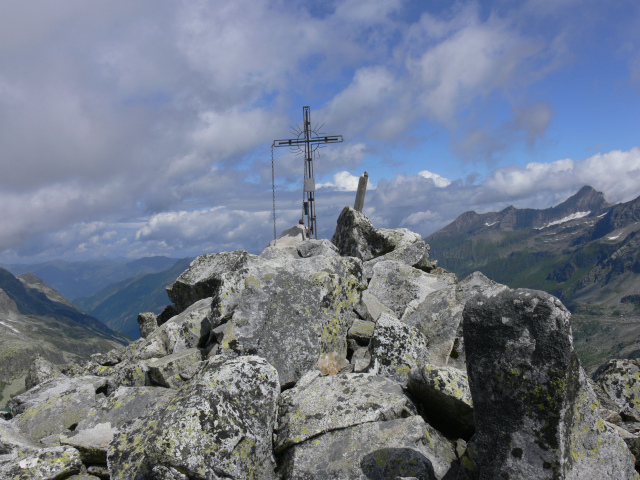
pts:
[295, 313]
[414, 254]
[396, 348]
[401, 288]
[41, 464]
[41, 370]
[395, 449]
[291, 237]
[57, 405]
[438, 318]
[203, 277]
[147, 323]
[220, 425]
[174, 370]
[321, 404]
[370, 308]
[536, 416]
[444, 397]
[313, 248]
[620, 379]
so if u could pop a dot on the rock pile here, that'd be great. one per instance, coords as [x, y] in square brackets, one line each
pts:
[327, 360]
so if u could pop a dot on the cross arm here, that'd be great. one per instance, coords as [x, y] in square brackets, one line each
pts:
[292, 142]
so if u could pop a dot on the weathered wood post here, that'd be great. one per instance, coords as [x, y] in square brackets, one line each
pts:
[362, 189]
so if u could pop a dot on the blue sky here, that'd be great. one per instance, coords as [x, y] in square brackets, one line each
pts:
[144, 128]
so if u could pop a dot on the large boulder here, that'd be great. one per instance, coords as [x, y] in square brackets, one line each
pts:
[321, 404]
[57, 405]
[313, 248]
[400, 287]
[355, 236]
[42, 464]
[295, 313]
[536, 416]
[203, 277]
[41, 370]
[220, 425]
[395, 449]
[414, 254]
[620, 379]
[396, 348]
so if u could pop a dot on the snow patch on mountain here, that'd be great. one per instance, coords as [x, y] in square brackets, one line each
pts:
[573, 216]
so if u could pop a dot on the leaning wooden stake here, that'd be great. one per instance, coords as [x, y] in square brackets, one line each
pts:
[362, 189]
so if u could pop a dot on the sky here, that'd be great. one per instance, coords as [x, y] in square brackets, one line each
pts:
[131, 129]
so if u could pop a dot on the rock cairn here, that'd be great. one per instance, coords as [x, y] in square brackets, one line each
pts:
[355, 358]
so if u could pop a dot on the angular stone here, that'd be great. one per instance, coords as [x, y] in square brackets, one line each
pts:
[314, 248]
[42, 464]
[620, 379]
[126, 404]
[147, 323]
[41, 370]
[443, 393]
[401, 288]
[293, 313]
[276, 252]
[361, 331]
[92, 443]
[396, 348]
[291, 237]
[536, 416]
[415, 254]
[174, 370]
[355, 236]
[57, 405]
[322, 404]
[361, 360]
[11, 439]
[203, 277]
[370, 308]
[472, 285]
[401, 448]
[219, 425]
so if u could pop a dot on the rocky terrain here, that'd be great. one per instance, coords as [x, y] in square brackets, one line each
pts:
[37, 320]
[355, 358]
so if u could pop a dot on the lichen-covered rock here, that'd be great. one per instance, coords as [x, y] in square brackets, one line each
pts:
[41, 370]
[620, 379]
[126, 404]
[43, 464]
[401, 288]
[220, 425]
[396, 348]
[444, 396]
[401, 448]
[57, 405]
[414, 254]
[11, 439]
[313, 248]
[536, 415]
[294, 313]
[189, 329]
[355, 236]
[92, 443]
[175, 369]
[361, 331]
[370, 308]
[276, 252]
[147, 323]
[322, 404]
[438, 318]
[203, 277]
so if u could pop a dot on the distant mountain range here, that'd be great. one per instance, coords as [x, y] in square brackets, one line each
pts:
[80, 279]
[584, 251]
[119, 304]
[37, 319]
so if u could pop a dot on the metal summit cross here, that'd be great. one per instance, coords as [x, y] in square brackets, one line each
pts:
[311, 140]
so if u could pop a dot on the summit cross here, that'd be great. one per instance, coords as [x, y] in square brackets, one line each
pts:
[309, 139]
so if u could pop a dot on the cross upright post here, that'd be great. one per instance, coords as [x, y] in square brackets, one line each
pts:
[310, 139]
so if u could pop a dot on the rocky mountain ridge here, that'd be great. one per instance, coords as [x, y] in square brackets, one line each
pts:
[356, 358]
[36, 320]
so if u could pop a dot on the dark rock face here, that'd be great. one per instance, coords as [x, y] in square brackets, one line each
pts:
[620, 379]
[535, 413]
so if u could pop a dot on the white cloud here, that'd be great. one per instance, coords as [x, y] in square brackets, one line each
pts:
[438, 180]
[343, 182]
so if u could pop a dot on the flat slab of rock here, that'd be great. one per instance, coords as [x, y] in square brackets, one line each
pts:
[174, 370]
[414, 254]
[536, 415]
[44, 464]
[402, 448]
[219, 425]
[92, 443]
[321, 404]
